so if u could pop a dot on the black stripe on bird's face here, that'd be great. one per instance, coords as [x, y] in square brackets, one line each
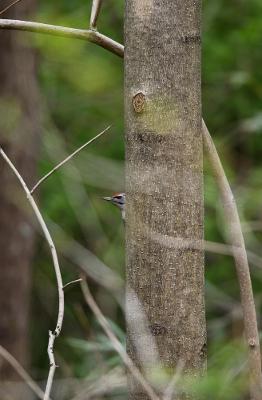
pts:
[118, 200]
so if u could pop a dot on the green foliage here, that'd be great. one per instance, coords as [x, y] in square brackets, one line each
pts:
[82, 90]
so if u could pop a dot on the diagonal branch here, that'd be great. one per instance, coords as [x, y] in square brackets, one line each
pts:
[67, 159]
[115, 342]
[84, 34]
[22, 372]
[96, 6]
[60, 316]
[239, 252]
[9, 6]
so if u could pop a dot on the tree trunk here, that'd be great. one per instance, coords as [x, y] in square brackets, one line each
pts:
[164, 179]
[19, 131]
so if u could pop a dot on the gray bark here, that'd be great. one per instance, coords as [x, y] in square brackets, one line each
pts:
[164, 178]
[19, 129]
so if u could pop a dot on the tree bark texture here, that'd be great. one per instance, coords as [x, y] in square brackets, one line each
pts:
[164, 179]
[19, 136]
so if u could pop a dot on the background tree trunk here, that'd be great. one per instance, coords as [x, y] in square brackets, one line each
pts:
[164, 178]
[19, 133]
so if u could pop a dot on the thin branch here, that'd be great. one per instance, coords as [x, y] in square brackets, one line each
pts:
[197, 244]
[170, 391]
[144, 342]
[115, 342]
[103, 386]
[22, 372]
[9, 6]
[60, 316]
[96, 6]
[67, 159]
[239, 252]
[70, 283]
[90, 264]
[85, 34]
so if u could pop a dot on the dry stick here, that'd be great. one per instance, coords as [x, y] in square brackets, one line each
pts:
[103, 386]
[22, 372]
[212, 247]
[96, 6]
[115, 342]
[171, 388]
[67, 159]
[71, 282]
[9, 6]
[60, 316]
[238, 246]
[85, 34]
[221, 248]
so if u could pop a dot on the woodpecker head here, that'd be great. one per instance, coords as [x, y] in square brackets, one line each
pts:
[118, 200]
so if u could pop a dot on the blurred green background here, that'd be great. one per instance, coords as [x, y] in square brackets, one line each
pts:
[82, 93]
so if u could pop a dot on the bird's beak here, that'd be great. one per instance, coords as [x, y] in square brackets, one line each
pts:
[107, 198]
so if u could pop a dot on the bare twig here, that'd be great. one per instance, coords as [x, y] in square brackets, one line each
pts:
[103, 386]
[9, 6]
[238, 246]
[196, 244]
[115, 342]
[146, 346]
[96, 6]
[171, 388]
[60, 317]
[91, 265]
[67, 159]
[22, 372]
[89, 35]
[70, 283]
[52, 365]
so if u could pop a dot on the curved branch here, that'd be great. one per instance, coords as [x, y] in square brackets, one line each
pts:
[60, 316]
[240, 255]
[84, 34]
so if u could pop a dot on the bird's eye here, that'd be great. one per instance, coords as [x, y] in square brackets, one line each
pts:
[118, 197]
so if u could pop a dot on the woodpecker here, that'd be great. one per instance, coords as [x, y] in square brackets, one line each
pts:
[118, 200]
